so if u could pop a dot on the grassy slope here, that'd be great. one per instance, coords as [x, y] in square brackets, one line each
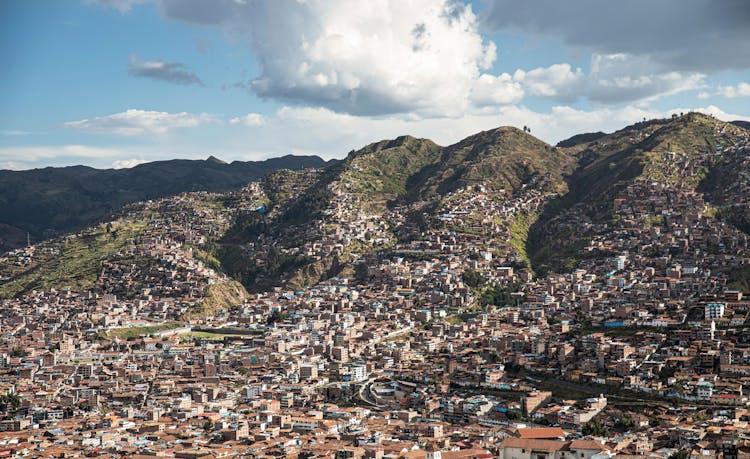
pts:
[381, 171]
[78, 263]
[519, 234]
[220, 296]
[505, 157]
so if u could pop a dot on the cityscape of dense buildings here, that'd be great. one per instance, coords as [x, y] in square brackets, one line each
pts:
[443, 344]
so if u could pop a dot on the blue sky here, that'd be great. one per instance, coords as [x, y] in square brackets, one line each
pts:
[111, 83]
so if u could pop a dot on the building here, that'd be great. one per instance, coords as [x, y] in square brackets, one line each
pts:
[714, 311]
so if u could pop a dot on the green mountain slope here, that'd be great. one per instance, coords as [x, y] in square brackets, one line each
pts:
[306, 220]
[500, 198]
[50, 201]
[389, 192]
[505, 157]
[677, 156]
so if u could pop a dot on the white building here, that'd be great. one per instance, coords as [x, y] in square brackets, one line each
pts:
[714, 311]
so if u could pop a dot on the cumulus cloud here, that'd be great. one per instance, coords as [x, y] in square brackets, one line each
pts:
[250, 120]
[496, 90]
[140, 122]
[613, 78]
[729, 92]
[692, 35]
[172, 72]
[429, 58]
[365, 58]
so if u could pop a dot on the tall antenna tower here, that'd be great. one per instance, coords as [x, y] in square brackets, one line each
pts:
[28, 239]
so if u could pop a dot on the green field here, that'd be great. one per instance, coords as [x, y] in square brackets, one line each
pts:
[205, 335]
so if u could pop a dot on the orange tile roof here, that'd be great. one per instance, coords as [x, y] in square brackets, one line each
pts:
[542, 432]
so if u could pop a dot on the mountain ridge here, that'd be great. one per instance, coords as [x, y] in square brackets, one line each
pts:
[44, 202]
[501, 195]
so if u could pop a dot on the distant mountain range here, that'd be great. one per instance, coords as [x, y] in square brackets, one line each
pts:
[43, 203]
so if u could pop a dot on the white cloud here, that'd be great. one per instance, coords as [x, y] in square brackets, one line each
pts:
[127, 163]
[553, 81]
[26, 157]
[428, 57]
[140, 122]
[250, 120]
[320, 131]
[496, 90]
[12, 166]
[712, 110]
[366, 58]
[614, 78]
[729, 92]
[329, 134]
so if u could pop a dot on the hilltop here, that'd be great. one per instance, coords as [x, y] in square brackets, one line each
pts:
[51, 201]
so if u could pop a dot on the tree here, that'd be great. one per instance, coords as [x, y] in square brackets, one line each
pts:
[513, 414]
[473, 279]
[9, 402]
[624, 423]
[596, 428]
[362, 272]
[18, 352]
[276, 317]
[498, 295]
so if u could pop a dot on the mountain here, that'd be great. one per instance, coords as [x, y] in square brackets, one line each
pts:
[502, 158]
[651, 192]
[382, 197]
[50, 201]
[306, 223]
[694, 160]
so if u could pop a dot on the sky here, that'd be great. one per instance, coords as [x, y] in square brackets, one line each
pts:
[114, 83]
